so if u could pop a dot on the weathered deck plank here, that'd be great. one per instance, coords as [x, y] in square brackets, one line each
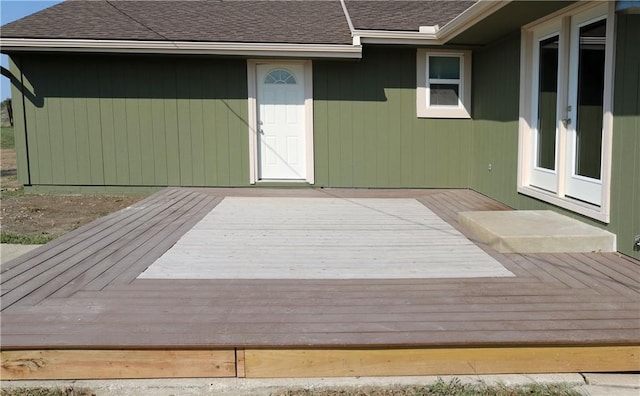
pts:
[555, 299]
[49, 275]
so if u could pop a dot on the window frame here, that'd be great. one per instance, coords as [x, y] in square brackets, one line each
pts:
[424, 109]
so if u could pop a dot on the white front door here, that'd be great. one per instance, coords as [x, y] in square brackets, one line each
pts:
[281, 130]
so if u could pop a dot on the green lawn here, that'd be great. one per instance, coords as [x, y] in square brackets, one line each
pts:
[7, 139]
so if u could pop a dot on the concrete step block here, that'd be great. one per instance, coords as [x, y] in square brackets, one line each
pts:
[536, 231]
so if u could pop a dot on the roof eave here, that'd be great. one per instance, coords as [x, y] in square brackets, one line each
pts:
[432, 35]
[469, 17]
[182, 47]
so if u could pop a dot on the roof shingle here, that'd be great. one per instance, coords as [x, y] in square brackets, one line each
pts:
[262, 21]
[402, 14]
[250, 21]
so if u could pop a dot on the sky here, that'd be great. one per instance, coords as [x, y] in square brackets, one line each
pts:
[10, 10]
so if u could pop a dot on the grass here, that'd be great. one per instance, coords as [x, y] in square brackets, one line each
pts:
[441, 388]
[69, 391]
[8, 237]
[7, 139]
[18, 192]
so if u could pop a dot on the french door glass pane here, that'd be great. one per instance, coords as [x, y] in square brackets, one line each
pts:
[591, 53]
[547, 103]
[443, 94]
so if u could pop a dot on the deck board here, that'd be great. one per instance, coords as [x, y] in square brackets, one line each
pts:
[61, 299]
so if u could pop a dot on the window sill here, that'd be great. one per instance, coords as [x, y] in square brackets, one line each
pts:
[442, 113]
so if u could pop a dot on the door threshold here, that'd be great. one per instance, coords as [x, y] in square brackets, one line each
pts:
[283, 183]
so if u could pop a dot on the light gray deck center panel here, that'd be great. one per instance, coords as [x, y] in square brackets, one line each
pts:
[323, 238]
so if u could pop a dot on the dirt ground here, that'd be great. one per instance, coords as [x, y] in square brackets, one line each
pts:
[8, 169]
[48, 216]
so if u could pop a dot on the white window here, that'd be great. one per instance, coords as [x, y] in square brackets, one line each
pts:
[565, 110]
[444, 84]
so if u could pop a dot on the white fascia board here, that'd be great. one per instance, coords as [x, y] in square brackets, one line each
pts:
[396, 37]
[184, 47]
[470, 16]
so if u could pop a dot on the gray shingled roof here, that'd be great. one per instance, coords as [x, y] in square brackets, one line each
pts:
[403, 15]
[258, 21]
[308, 21]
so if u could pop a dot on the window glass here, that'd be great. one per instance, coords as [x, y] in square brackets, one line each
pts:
[444, 67]
[547, 99]
[590, 99]
[280, 77]
[444, 94]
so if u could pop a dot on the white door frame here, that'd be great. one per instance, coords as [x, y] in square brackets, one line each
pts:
[253, 115]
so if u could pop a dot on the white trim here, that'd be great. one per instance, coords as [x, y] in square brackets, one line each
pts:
[308, 117]
[396, 37]
[529, 34]
[345, 10]
[423, 108]
[252, 120]
[253, 116]
[580, 207]
[184, 47]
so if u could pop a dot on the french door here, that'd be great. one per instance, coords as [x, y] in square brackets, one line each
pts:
[585, 108]
[569, 106]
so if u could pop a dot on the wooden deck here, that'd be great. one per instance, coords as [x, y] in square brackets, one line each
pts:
[76, 303]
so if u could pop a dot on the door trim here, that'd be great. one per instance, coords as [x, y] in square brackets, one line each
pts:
[253, 115]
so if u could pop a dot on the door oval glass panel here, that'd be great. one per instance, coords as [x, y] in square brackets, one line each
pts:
[279, 76]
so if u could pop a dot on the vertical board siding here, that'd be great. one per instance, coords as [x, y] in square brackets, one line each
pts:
[496, 76]
[625, 183]
[495, 131]
[141, 121]
[366, 133]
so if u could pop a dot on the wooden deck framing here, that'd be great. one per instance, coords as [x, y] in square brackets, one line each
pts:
[74, 308]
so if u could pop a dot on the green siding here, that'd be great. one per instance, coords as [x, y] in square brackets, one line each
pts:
[133, 121]
[625, 183]
[366, 131]
[495, 131]
[496, 77]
